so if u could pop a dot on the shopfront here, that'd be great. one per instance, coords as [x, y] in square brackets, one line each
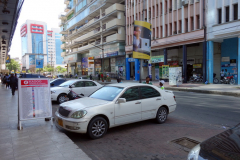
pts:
[71, 60]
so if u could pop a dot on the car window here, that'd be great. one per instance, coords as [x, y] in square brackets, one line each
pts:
[107, 93]
[89, 84]
[148, 92]
[131, 94]
[58, 82]
[79, 84]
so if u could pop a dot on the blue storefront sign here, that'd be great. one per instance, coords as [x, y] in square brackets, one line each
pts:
[112, 54]
[39, 63]
[131, 60]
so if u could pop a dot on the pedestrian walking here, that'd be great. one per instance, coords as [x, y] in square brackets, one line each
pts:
[161, 82]
[148, 81]
[90, 76]
[119, 80]
[13, 82]
[7, 81]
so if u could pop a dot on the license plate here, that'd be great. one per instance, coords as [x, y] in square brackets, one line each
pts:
[60, 122]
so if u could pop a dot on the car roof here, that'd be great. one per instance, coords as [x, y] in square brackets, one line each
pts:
[75, 80]
[128, 84]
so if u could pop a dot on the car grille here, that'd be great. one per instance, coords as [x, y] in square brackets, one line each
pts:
[63, 111]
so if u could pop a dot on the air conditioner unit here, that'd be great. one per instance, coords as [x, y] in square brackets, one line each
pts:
[184, 3]
[170, 9]
[179, 31]
[191, 1]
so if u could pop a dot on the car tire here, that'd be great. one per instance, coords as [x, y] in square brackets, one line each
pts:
[162, 115]
[60, 98]
[97, 128]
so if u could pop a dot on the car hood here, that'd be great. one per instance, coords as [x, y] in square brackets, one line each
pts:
[225, 145]
[83, 103]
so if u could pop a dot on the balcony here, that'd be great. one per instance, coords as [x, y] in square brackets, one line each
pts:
[67, 8]
[116, 21]
[60, 24]
[116, 37]
[63, 38]
[62, 16]
[63, 54]
[63, 46]
[114, 7]
[66, 1]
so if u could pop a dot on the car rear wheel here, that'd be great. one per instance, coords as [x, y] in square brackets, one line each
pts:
[61, 98]
[162, 115]
[97, 128]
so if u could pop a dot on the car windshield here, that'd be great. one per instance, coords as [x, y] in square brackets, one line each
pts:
[107, 93]
[66, 84]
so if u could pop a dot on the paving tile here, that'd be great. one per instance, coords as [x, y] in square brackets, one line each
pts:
[7, 157]
[5, 151]
[7, 140]
[6, 145]
[23, 153]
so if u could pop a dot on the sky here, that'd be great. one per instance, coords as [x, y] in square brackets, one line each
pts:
[40, 10]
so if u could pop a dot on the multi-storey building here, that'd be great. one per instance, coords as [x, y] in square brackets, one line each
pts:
[223, 38]
[93, 36]
[54, 48]
[177, 36]
[39, 43]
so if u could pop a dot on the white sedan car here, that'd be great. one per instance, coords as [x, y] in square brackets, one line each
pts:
[83, 86]
[115, 105]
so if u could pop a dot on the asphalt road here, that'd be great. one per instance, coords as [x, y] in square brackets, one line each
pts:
[198, 116]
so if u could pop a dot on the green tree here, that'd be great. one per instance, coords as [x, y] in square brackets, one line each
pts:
[60, 69]
[39, 69]
[13, 65]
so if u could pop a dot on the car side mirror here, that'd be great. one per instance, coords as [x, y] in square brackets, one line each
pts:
[52, 84]
[122, 100]
[72, 86]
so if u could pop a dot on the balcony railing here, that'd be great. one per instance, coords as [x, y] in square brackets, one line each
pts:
[115, 37]
[60, 24]
[61, 16]
[63, 46]
[63, 54]
[67, 8]
[66, 1]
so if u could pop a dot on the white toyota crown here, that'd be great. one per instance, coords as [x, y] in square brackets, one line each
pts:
[115, 105]
[79, 86]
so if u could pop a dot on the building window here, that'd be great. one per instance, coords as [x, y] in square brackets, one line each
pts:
[192, 23]
[186, 24]
[136, 16]
[153, 33]
[235, 11]
[180, 26]
[219, 15]
[161, 9]
[157, 10]
[139, 16]
[153, 11]
[170, 29]
[175, 27]
[157, 32]
[227, 14]
[149, 13]
[166, 30]
[161, 31]
[127, 20]
[198, 22]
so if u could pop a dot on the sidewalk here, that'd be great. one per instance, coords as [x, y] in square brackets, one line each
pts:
[221, 89]
[37, 141]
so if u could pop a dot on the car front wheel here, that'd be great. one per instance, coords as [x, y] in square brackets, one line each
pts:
[162, 115]
[61, 98]
[97, 128]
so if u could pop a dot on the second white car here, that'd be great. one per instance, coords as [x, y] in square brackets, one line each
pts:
[79, 86]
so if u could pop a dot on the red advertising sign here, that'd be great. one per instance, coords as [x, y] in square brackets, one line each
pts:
[34, 83]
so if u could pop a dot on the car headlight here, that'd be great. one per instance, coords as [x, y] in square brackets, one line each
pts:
[194, 153]
[53, 92]
[79, 114]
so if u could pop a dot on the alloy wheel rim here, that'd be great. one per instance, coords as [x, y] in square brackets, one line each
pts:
[61, 99]
[98, 128]
[162, 115]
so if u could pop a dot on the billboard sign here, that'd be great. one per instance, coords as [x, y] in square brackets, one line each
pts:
[142, 40]
[39, 63]
[8, 60]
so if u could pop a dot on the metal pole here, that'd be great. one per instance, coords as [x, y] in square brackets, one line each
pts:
[140, 62]
[204, 45]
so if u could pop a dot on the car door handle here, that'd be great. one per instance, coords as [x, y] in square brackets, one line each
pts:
[138, 103]
[158, 99]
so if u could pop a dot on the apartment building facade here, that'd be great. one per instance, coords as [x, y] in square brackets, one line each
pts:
[93, 36]
[223, 47]
[177, 36]
[39, 43]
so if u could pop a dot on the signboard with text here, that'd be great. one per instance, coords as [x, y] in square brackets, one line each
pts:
[34, 98]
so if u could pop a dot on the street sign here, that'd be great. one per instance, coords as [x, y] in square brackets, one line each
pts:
[34, 99]
[39, 63]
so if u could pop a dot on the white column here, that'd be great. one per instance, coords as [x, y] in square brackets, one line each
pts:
[216, 12]
[201, 13]
[147, 12]
[172, 16]
[231, 11]
[134, 13]
[168, 26]
[189, 19]
[194, 15]
[163, 18]
[183, 19]
[155, 18]
[177, 17]
[238, 9]
[223, 12]
[159, 22]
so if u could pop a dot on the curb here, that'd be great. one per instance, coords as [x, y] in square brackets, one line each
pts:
[204, 91]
